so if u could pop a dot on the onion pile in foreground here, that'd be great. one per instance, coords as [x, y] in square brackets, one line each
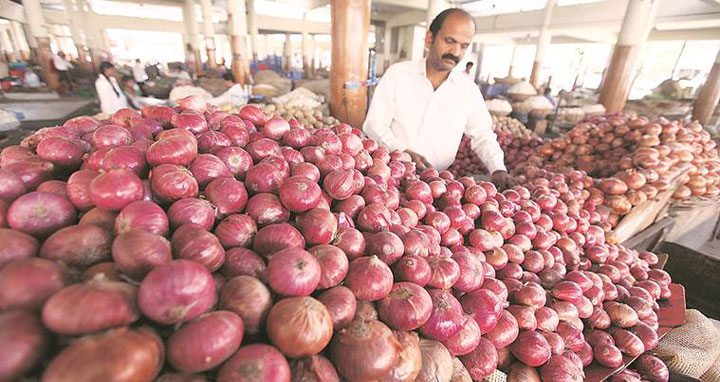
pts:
[189, 245]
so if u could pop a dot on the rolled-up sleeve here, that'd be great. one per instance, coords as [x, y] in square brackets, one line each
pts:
[482, 138]
[380, 115]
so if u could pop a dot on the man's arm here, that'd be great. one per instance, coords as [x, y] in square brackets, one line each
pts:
[380, 115]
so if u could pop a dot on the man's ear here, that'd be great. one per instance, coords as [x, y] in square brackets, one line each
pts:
[428, 39]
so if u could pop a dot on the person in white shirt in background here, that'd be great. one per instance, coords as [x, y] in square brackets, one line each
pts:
[139, 74]
[468, 69]
[423, 107]
[63, 68]
[109, 92]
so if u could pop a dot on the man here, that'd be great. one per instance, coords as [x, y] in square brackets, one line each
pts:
[468, 68]
[423, 107]
[63, 68]
[139, 74]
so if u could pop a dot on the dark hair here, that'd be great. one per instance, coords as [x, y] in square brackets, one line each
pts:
[439, 20]
[104, 66]
[125, 79]
[469, 64]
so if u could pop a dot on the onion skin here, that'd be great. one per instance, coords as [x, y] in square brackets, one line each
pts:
[78, 246]
[177, 291]
[40, 213]
[205, 342]
[137, 252]
[369, 278]
[531, 348]
[333, 265]
[314, 369]
[143, 215]
[365, 350]
[482, 361]
[293, 272]
[248, 298]
[192, 242]
[407, 307]
[341, 304]
[652, 368]
[446, 318]
[79, 309]
[119, 355]
[505, 332]
[299, 326]
[409, 362]
[24, 343]
[28, 283]
[256, 362]
[484, 306]
[242, 261]
[16, 245]
[608, 355]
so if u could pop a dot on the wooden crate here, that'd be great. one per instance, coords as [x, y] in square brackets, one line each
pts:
[700, 274]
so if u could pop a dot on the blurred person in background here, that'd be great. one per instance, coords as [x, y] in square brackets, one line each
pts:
[424, 107]
[139, 74]
[111, 96]
[63, 67]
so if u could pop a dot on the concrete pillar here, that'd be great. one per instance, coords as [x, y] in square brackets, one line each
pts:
[19, 35]
[238, 40]
[306, 46]
[512, 60]
[709, 95]
[208, 32]
[8, 40]
[386, 48]
[478, 64]
[191, 29]
[36, 24]
[434, 8]
[349, 26]
[287, 53]
[253, 28]
[92, 36]
[639, 19]
[542, 44]
[78, 38]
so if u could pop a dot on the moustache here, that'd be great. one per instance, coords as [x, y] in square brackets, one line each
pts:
[451, 57]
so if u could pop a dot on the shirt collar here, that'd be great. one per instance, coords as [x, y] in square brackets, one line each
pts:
[421, 70]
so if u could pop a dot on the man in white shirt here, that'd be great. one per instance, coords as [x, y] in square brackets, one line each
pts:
[63, 68]
[423, 107]
[139, 74]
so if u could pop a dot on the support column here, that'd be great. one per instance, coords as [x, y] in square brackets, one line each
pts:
[349, 27]
[512, 60]
[208, 32]
[238, 40]
[92, 37]
[10, 44]
[542, 44]
[639, 18]
[478, 64]
[709, 95]
[19, 35]
[77, 36]
[253, 28]
[434, 8]
[386, 47]
[36, 24]
[191, 29]
[305, 46]
[287, 53]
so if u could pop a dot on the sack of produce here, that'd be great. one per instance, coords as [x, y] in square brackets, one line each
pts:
[521, 91]
[691, 349]
[499, 107]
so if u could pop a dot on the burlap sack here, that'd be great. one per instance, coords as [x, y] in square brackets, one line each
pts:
[496, 376]
[713, 373]
[690, 349]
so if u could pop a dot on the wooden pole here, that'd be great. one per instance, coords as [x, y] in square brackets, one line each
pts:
[208, 32]
[253, 30]
[238, 40]
[36, 24]
[639, 18]
[709, 95]
[542, 44]
[349, 28]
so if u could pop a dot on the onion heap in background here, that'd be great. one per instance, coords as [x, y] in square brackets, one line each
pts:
[190, 245]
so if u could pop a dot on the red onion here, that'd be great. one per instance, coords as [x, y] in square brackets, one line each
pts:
[25, 342]
[293, 272]
[369, 278]
[341, 304]
[248, 298]
[366, 350]
[562, 369]
[205, 342]
[142, 215]
[178, 150]
[267, 175]
[652, 368]
[318, 226]
[299, 326]
[78, 246]
[531, 348]
[109, 136]
[446, 318]
[466, 340]
[170, 183]
[32, 172]
[482, 361]
[407, 307]
[257, 362]
[40, 213]
[387, 246]
[237, 160]
[275, 237]
[137, 252]
[192, 210]
[267, 209]
[414, 269]
[28, 283]
[177, 291]
[193, 242]
[207, 167]
[351, 241]
[333, 265]
[228, 194]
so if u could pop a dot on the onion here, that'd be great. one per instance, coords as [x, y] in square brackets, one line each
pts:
[446, 318]
[562, 369]
[613, 186]
[142, 215]
[193, 242]
[628, 342]
[471, 274]
[365, 350]
[351, 241]
[412, 268]
[652, 368]
[267, 175]
[547, 319]
[178, 150]
[99, 217]
[318, 226]
[207, 167]
[27, 283]
[374, 218]
[40, 213]
[571, 334]
[567, 291]
[531, 348]
[276, 237]
[79, 308]
[608, 355]
[109, 136]
[267, 209]
[314, 368]
[466, 340]
[387, 246]
[293, 272]
[137, 252]
[444, 272]
[11, 185]
[78, 246]
[341, 304]
[520, 372]
[621, 315]
[170, 183]
[32, 172]
[248, 298]
[228, 194]
[299, 326]
[409, 362]
[237, 160]
[333, 265]
[191, 210]
[96, 357]
[482, 361]
[177, 291]
[369, 278]
[24, 341]
[242, 261]
[78, 188]
[256, 362]
[407, 307]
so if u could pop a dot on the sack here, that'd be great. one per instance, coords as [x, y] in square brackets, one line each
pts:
[713, 373]
[691, 349]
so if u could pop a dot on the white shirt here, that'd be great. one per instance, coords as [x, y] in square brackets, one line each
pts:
[407, 113]
[139, 72]
[61, 64]
[110, 100]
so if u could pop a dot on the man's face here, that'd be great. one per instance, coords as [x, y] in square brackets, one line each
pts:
[452, 40]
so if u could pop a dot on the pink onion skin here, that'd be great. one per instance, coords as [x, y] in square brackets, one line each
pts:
[205, 342]
[170, 183]
[351, 241]
[207, 167]
[177, 291]
[446, 318]
[293, 272]
[54, 186]
[250, 299]
[265, 208]
[228, 194]
[484, 306]
[653, 368]
[407, 307]
[78, 246]
[137, 252]
[143, 215]
[78, 189]
[369, 278]
[28, 283]
[115, 189]
[78, 309]
[562, 369]
[25, 342]
[333, 265]
[531, 348]
[192, 210]
[236, 231]
[11, 185]
[40, 213]
[318, 226]
[192, 242]
[482, 361]
[256, 362]
[16, 245]
[466, 340]
[32, 172]
[505, 332]
[341, 304]
[276, 237]
[242, 261]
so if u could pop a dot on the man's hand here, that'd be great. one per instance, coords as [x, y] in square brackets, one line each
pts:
[502, 179]
[419, 160]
